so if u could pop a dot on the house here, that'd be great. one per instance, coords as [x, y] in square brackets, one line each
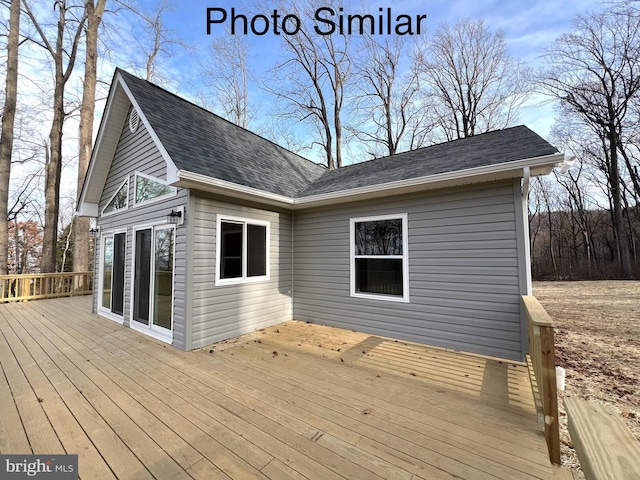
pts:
[208, 231]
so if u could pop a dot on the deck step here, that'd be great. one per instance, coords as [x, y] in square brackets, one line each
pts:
[605, 446]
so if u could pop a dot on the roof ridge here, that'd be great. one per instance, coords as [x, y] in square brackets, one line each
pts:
[444, 142]
[200, 107]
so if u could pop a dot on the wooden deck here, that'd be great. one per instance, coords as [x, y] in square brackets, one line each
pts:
[294, 401]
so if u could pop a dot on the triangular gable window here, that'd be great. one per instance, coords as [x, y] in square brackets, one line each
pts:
[120, 200]
[149, 188]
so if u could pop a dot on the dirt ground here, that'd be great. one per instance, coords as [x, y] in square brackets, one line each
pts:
[598, 343]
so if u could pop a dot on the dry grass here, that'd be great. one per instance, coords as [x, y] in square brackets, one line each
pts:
[598, 343]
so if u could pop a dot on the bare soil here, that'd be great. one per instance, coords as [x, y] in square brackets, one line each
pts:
[598, 343]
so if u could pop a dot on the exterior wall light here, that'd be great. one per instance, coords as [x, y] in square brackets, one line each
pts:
[176, 216]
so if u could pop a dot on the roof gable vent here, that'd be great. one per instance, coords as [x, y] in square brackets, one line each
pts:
[134, 120]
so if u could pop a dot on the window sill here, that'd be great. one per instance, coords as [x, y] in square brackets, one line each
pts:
[240, 281]
[385, 298]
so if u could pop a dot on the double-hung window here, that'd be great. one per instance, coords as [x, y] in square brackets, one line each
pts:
[242, 250]
[379, 257]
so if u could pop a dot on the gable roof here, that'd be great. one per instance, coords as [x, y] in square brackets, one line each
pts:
[492, 148]
[207, 152]
[203, 143]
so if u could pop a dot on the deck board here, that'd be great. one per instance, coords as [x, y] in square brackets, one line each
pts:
[403, 426]
[293, 401]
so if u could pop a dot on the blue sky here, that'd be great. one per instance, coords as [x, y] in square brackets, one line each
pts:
[528, 25]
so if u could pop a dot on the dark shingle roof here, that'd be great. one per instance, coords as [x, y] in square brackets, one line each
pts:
[508, 145]
[200, 142]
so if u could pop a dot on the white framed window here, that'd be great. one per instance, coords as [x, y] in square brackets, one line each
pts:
[242, 250]
[149, 189]
[380, 257]
[119, 200]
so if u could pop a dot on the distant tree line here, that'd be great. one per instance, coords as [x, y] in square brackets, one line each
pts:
[573, 239]
[592, 209]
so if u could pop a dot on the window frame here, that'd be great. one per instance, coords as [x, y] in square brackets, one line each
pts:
[126, 204]
[405, 257]
[244, 278]
[154, 331]
[150, 201]
[106, 312]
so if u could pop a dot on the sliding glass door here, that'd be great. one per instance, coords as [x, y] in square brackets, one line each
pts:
[112, 274]
[153, 280]
[142, 278]
[163, 277]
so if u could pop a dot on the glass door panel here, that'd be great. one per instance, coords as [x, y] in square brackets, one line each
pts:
[117, 283]
[163, 278]
[107, 271]
[153, 280]
[142, 279]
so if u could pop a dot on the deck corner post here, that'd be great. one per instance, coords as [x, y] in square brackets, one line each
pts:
[543, 360]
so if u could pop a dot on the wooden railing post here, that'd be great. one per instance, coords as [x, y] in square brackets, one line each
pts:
[543, 360]
[550, 398]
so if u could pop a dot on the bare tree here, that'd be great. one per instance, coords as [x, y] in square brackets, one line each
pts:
[478, 86]
[279, 131]
[157, 39]
[226, 73]
[8, 120]
[570, 138]
[25, 240]
[24, 234]
[595, 72]
[94, 11]
[388, 96]
[63, 52]
[313, 78]
[155, 28]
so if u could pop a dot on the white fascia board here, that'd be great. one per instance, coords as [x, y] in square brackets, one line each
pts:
[503, 171]
[171, 167]
[203, 182]
[97, 146]
[87, 210]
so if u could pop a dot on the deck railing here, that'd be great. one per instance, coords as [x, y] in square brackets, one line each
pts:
[14, 288]
[542, 360]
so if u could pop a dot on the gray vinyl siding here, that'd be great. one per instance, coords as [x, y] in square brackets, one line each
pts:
[225, 311]
[463, 270]
[138, 152]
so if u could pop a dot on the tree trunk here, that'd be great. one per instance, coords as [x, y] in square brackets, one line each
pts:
[18, 253]
[53, 164]
[622, 245]
[53, 172]
[8, 119]
[81, 242]
[338, 129]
